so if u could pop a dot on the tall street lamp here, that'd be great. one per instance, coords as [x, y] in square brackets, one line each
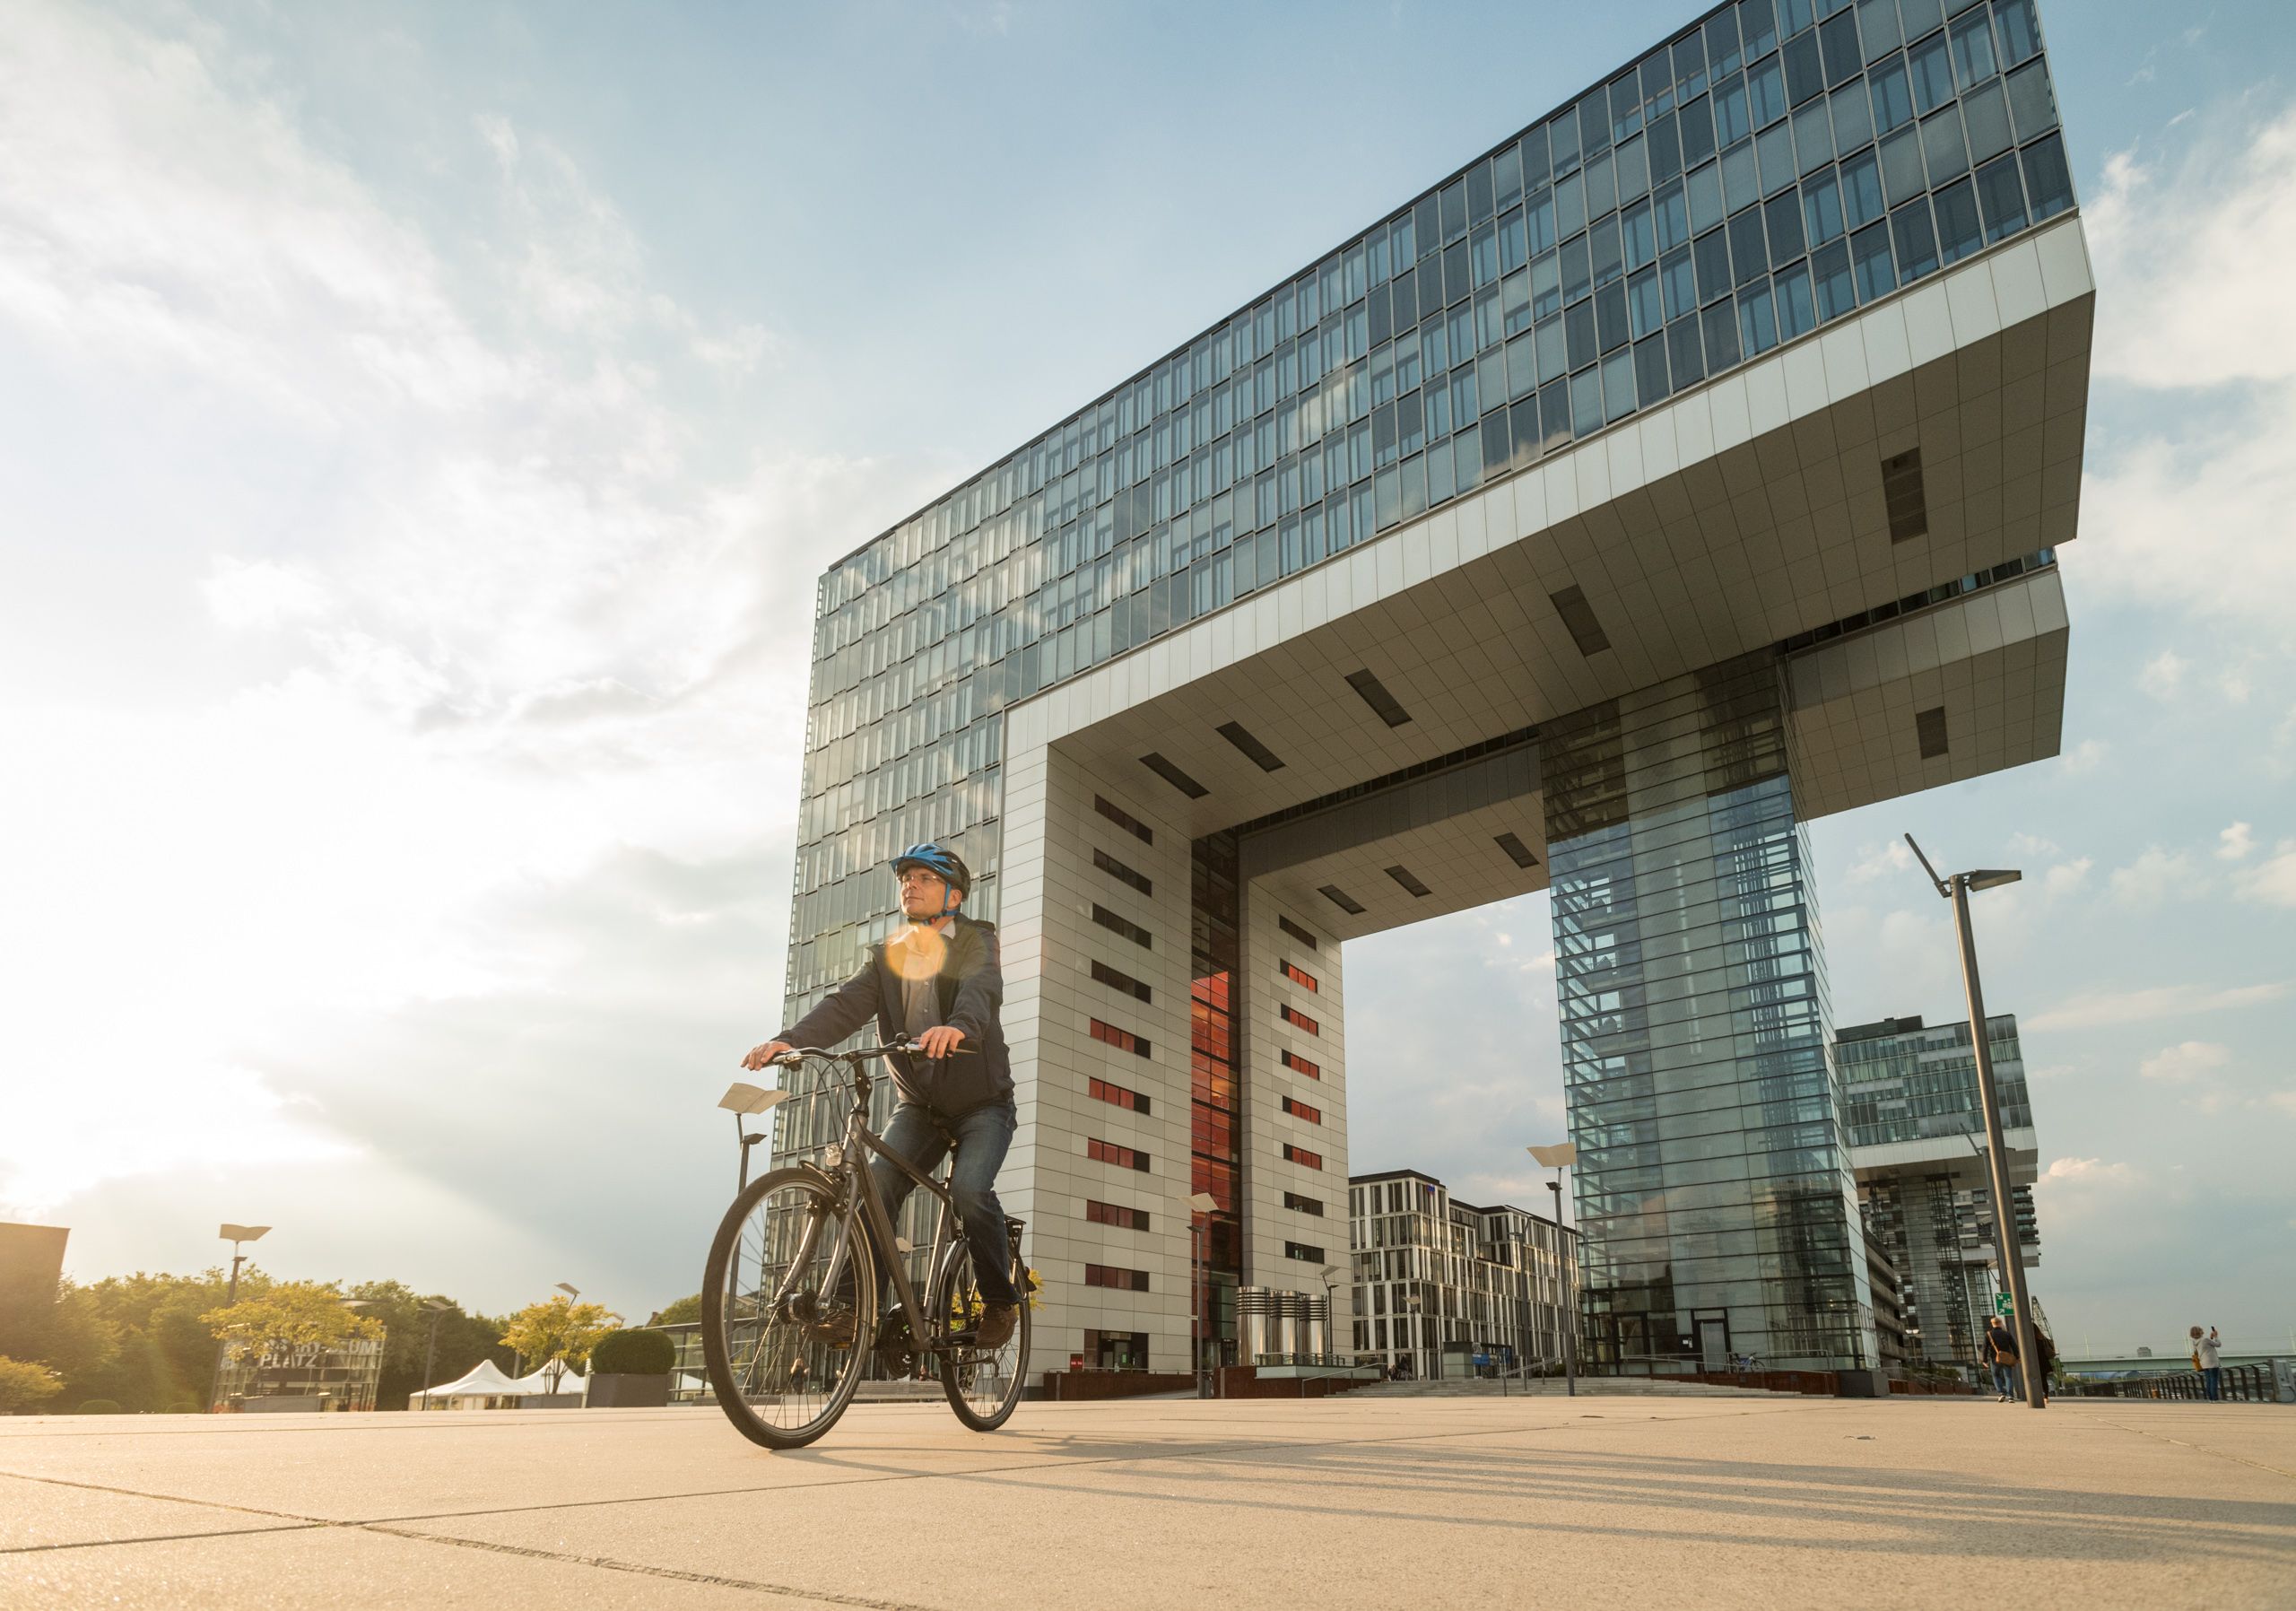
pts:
[1331, 1314]
[742, 1100]
[1199, 1228]
[430, 1355]
[1559, 1157]
[1996, 1155]
[235, 1235]
[558, 1360]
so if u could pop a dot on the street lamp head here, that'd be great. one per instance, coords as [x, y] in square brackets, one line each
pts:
[437, 1305]
[1202, 1202]
[242, 1232]
[1991, 878]
[571, 1292]
[1562, 1154]
[741, 1097]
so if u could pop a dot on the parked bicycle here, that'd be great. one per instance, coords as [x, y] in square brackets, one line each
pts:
[791, 1300]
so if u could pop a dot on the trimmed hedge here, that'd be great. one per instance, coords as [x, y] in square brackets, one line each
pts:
[633, 1352]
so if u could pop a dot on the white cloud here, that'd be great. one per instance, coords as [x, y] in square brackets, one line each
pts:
[2234, 843]
[2089, 1171]
[2066, 877]
[2033, 844]
[255, 593]
[2273, 880]
[2186, 1061]
[1890, 859]
[536, 586]
[2162, 674]
[2190, 253]
[2102, 1008]
[2156, 876]
[2083, 758]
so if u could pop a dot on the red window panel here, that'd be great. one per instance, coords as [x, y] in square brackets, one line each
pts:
[1110, 1275]
[1123, 1039]
[1304, 980]
[1302, 1155]
[1108, 1151]
[1300, 1065]
[1299, 1110]
[1298, 1020]
[1114, 1214]
[1108, 1091]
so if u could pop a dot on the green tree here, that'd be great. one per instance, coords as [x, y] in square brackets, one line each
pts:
[464, 1339]
[559, 1328]
[290, 1314]
[71, 1336]
[684, 1311]
[24, 1385]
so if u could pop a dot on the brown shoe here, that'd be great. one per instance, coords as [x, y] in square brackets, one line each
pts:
[997, 1322]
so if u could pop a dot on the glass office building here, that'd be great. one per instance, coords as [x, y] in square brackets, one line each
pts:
[1766, 228]
[1916, 1136]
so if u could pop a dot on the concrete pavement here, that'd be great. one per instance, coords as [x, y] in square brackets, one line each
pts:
[1334, 1502]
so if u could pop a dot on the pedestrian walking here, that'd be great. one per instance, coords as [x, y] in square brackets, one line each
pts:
[2208, 1359]
[2001, 1351]
[2044, 1360]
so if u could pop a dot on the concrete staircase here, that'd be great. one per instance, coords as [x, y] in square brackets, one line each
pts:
[1551, 1387]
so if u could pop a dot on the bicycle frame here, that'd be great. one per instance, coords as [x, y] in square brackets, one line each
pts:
[859, 1189]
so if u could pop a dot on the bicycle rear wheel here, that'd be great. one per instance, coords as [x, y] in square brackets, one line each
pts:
[784, 1354]
[984, 1385]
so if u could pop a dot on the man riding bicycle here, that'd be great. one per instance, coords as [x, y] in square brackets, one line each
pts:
[936, 982]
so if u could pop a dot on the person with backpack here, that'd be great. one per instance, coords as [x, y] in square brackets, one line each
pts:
[2001, 1351]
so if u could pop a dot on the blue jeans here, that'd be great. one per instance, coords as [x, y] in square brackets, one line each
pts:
[983, 1137]
[2004, 1378]
[2212, 1382]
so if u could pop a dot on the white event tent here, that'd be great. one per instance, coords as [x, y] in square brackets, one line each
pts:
[485, 1386]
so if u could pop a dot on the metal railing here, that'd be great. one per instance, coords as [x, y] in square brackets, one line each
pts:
[2242, 1384]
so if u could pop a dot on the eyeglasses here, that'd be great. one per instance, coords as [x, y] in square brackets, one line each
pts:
[919, 875]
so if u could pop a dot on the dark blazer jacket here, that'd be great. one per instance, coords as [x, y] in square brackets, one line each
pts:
[972, 989]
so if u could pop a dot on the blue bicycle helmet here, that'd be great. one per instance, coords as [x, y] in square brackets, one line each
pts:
[933, 858]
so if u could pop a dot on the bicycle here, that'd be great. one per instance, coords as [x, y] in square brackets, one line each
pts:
[790, 1297]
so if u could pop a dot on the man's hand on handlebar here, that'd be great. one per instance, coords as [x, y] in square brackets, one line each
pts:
[760, 1056]
[940, 1040]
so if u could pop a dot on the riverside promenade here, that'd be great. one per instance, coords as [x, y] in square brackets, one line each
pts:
[1370, 1502]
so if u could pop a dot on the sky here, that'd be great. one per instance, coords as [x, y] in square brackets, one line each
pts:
[424, 424]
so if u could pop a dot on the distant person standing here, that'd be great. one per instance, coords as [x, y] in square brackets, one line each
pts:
[2001, 1351]
[2208, 1359]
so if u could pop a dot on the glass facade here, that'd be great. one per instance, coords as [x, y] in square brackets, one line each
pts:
[1773, 166]
[1216, 1057]
[1904, 1083]
[1714, 1193]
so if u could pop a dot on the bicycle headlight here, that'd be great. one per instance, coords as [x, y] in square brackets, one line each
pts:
[833, 1156]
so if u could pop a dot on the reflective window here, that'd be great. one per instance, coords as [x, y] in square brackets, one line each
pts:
[2001, 199]
[2048, 186]
[1959, 232]
[1928, 65]
[1893, 98]
[1914, 240]
[1822, 208]
[1829, 268]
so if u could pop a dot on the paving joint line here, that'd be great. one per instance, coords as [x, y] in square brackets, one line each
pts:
[2242, 1460]
[295, 1523]
[608, 1563]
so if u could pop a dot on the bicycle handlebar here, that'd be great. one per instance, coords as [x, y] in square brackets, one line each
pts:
[859, 1055]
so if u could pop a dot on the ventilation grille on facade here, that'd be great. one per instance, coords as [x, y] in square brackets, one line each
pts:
[1172, 775]
[1517, 850]
[1406, 877]
[1265, 758]
[1375, 695]
[1901, 492]
[1571, 605]
[1929, 727]
[1343, 901]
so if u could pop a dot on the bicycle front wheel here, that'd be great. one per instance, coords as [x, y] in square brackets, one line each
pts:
[785, 1347]
[984, 1384]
